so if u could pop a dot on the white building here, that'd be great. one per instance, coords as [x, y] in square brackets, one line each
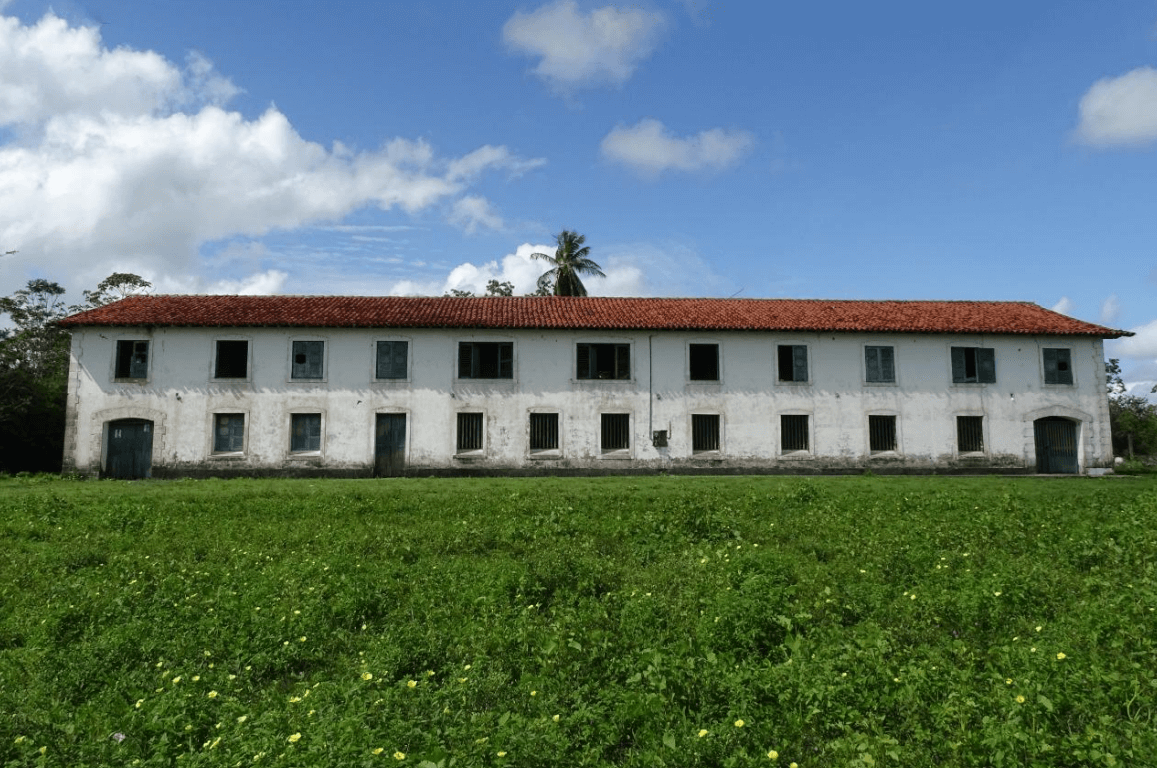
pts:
[222, 385]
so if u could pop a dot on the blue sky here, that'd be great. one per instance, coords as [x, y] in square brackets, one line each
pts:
[847, 150]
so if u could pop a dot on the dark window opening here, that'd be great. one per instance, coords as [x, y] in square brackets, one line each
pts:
[603, 361]
[704, 360]
[1058, 367]
[391, 360]
[616, 432]
[307, 359]
[973, 365]
[229, 433]
[232, 360]
[970, 434]
[704, 432]
[881, 433]
[132, 360]
[793, 433]
[879, 364]
[470, 432]
[305, 429]
[792, 362]
[486, 360]
[544, 431]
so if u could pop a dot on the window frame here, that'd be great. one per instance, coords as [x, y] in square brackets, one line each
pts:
[718, 361]
[482, 436]
[629, 345]
[718, 430]
[214, 453]
[1072, 382]
[616, 453]
[293, 413]
[544, 453]
[116, 355]
[213, 357]
[324, 377]
[374, 359]
[983, 434]
[978, 380]
[896, 437]
[894, 381]
[474, 343]
[808, 361]
[796, 453]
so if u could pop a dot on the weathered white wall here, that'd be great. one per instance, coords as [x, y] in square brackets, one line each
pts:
[180, 397]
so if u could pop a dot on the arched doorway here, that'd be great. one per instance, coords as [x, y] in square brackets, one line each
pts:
[1056, 445]
[130, 449]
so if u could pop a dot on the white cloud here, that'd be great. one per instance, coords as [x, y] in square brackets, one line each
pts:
[1110, 310]
[1120, 111]
[121, 157]
[258, 284]
[472, 212]
[1065, 306]
[649, 148]
[604, 45]
[1141, 345]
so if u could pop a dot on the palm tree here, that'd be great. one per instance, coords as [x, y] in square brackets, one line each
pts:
[570, 260]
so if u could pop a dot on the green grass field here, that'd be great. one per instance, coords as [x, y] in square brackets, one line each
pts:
[666, 621]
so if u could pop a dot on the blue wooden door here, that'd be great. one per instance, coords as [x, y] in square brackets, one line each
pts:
[390, 444]
[130, 449]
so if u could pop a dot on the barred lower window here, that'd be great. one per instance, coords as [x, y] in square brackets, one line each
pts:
[970, 434]
[793, 432]
[305, 432]
[881, 433]
[469, 432]
[544, 431]
[704, 432]
[616, 432]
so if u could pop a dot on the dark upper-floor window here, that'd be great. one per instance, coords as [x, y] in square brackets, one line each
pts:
[792, 359]
[603, 361]
[232, 360]
[973, 365]
[132, 360]
[486, 360]
[391, 359]
[307, 359]
[703, 362]
[880, 364]
[1058, 366]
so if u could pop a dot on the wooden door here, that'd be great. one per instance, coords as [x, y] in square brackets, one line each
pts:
[390, 445]
[1056, 445]
[130, 449]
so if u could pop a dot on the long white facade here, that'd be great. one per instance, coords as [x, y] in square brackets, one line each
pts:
[841, 410]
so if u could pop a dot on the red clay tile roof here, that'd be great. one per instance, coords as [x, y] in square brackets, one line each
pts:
[619, 314]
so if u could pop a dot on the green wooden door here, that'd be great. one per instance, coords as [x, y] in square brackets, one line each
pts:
[130, 449]
[1056, 445]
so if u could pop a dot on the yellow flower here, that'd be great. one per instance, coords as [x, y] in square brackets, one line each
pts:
[702, 732]
[399, 755]
[212, 694]
[295, 738]
[43, 750]
[1008, 681]
[243, 718]
[534, 693]
[177, 679]
[429, 673]
[294, 699]
[1038, 629]
[196, 678]
[379, 750]
[411, 683]
[738, 723]
[20, 739]
[555, 718]
[772, 755]
[502, 754]
[1060, 657]
[1020, 699]
[140, 702]
[301, 639]
[367, 676]
[996, 594]
[794, 765]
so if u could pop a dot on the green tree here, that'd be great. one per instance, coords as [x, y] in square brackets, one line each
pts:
[1132, 418]
[570, 262]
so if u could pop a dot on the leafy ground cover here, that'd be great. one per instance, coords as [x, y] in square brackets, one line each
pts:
[579, 622]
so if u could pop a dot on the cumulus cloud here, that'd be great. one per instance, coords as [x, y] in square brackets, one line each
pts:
[1065, 306]
[603, 46]
[121, 157]
[1110, 310]
[264, 283]
[1120, 111]
[1141, 345]
[649, 148]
